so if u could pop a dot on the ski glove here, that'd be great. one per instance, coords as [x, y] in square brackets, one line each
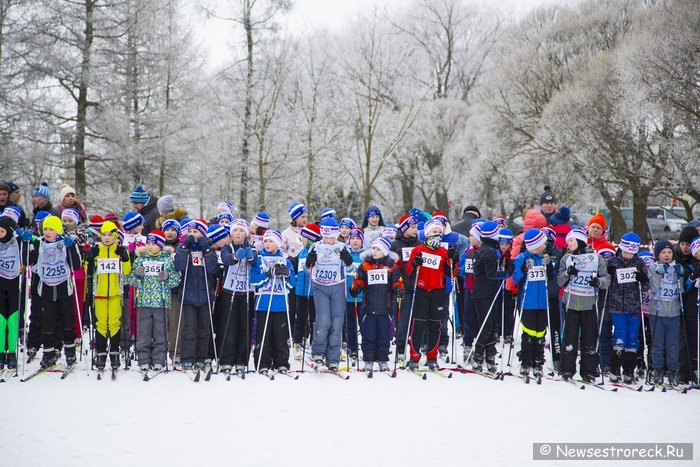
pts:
[68, 241]
[250, 254]
[571, 270]
[389, 263]
[280, 270]
[163, 276]
[398, 292]
[594, 282]
[203, 243]
[189, 241]
[546, 259]
[240, 254]
[346, 257]
[678, 269]
[530, 263]
[311, 258]
[354, 292]
[418, 260]
[92, 253]
[122, 253]
[140, 271]
[25, 234]
[662, 268]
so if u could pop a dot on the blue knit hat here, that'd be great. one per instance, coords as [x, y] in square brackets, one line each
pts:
[382, 244]
[329, 227]
[216, 232]
[40, 216]
[296, 210]
[225, 215]
[629, 243]
[489, 229]
[534, 238]
[327, 213]
[347, 222]
[183, 224]
[42, 191]
[132, 220]
[139, 195]
[262, 219]
[357, 232]
[505, 236]
[171, 224]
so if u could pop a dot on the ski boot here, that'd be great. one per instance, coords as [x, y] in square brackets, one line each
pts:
[524, 370]
[100, 361]
[368, 366]
[383, 366]
[283, 369]
[491, 366]
[673, 377]
[508, 340]
[588, 377]
[11, 361]
[614, 375]
[70, 355]
[114, 360]
[333, 366]
[144, 367]
[442, 351]
[31, 355]
[240, 368]
[628, 378]
[432, 364]
[297, 352]
[2, 360]
[537, 371]
[48, 359]
[401, 359]
[353, 359]
[412, 365]
[566, 376]
[157, 367]
[465, 354]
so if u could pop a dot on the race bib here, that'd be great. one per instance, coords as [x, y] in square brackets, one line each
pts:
[237, 278]
[377, 276]
[469, 265]
[406, 253]
[626, 275]
[197, 258]
[268, 263]
[152, 268]
[9, 260]
[668, 291]
[52, 266]
[327, 270]
[587, 266]
[107, 265]
[431, 261]
[537, 274]
[302, 264]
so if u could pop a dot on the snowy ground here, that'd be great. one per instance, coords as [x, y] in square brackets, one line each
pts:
[321, 420]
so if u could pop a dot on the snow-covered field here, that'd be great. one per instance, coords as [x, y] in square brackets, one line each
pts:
[321, 420]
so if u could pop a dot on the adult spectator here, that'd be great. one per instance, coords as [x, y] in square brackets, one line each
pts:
[548, 202]
[469, 213]
[146, 205]
[70, 200]
[15, 194]
[561, 225]
[41, 199]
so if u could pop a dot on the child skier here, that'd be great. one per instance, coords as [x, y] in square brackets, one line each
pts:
[406, 241]
[379, 279]
[153, 274]
[466, 271]
[627, 275]
[582, 272]
[355, 240]
[273, 276]
[328, 262]
[306, 307]
[372, 225]
[10, 269]
[171, 232]
[107, 264]
[665, 313]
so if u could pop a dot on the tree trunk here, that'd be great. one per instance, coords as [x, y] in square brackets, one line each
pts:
[639, 213]
[81, 117]
[247, 131]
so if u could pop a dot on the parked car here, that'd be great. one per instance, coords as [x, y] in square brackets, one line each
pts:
[665, 221]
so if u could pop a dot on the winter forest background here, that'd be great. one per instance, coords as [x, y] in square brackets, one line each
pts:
[428, 103]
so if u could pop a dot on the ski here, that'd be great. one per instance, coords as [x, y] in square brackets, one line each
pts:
[631, 387]
[114, 374]
[594, 385]
[100, 374]
[68, 370]
[194, 375]
[37, 373]
[149, 375]
[287, 374]
[207, 374]
[370, 374]
[267, 375]
[4, 375]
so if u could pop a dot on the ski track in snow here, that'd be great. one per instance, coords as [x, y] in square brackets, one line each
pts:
[321, 420]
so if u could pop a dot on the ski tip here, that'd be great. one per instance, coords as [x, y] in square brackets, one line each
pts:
[582, 387]
[613, 390]
[393, 374]
[296, 377]
[370, 375]
[449, 375]
[424, 376]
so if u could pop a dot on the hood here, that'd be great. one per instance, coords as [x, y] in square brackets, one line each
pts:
[533, 219]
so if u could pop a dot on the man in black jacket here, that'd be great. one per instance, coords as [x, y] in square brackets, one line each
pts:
[469, 213]
[147, 205]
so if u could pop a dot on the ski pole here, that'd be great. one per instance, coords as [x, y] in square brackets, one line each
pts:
[286, 309]
[518, 321]
[80, 318]
[483, 324]
[307, 321]
[211, 318]
[27, 291]
[182, 301]
[410, 318]
[503, 321]
[267, 320]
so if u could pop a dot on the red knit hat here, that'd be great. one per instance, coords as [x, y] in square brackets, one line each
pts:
[597, 219]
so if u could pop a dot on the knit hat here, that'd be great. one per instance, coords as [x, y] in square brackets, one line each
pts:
[406, 222]
[329, 227]
[501, 221]
[431, 225]
[328, 212]
[225, 206]
[534, 238]
[688, 234]
[12, 212]
[562, 216]
[184, 223]
[166, 204]
[390, 231]
[71, 213]
[240, 224]
[11, 185]
[40, 216]
[659, 246]
[225, 216]
[606, 252]
[629, 243]
[110, 216]
[418, 215]
[199, 224]
[471, 209]
[216, 232]
[65, 191]
[120, 235]
[139, 195]
[275, 236]
[42, 191]
[382, 244]
[311, 232]
[262, 219]
[132, 220]
[347, 222]
[10, 226]
[647, 257]
[489, 229]
[442, 217]
[171, 224]
[475, 231]
[597, 219]
[547, 196]
[296, 210]
[505, 236]
[549, 233]
[109, 227]
[157, 237]
[357, 232]
[695, 246]
[372, 211]
[54, 223]
[96, 223]
[578, 234]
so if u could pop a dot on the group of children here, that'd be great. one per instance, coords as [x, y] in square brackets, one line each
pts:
[195, 292]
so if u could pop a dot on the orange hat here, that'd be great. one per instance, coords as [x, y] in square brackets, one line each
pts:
[597, 219]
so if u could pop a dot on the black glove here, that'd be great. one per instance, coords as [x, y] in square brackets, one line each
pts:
[346, 257]
[594, 282]
[189, 241]
[418, 260]
[389, 262]
[92, 253]
[694, 274]
[203, 243]
[398, 292]
[280, 270]
[122, 253]
[354, 292]
[571, 270]
[311, 258]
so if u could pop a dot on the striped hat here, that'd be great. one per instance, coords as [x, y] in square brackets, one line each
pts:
[475, 231]
[296, 210]
[157, 237]
[311, 232]
[184, 224]
[275, 236]
[72, 214]
[406, 222]
[442, 217]
[501, 221]
[240, 224]
[695, 246]
[329, 227]
[347, 222]
[432, 224]
[96, 223]
[132, 220]
[199, 224]
[139, 195]
[382, 244]
[327, 213]
[629, 243]
[549, 233]
[390, 231]
[216, 232]
[39, 218]
[534, 238]
[225, 206]
[42, 191]
[13, 213]
[606, 252]
[578, 234]
[647, 257]
[225, 216]
[489, 229]
[505, 236]
[357, 232]
[262, 219]
[171, 224]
